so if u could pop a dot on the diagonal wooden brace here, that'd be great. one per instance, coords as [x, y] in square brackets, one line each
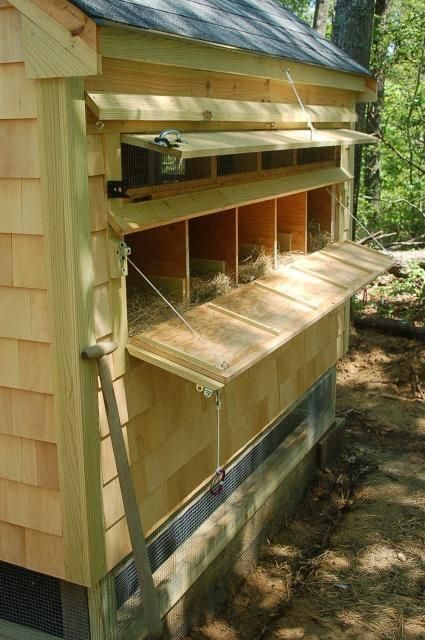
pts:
[151, 609]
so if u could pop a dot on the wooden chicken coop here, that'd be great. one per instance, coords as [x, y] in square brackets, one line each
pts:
[149, 149]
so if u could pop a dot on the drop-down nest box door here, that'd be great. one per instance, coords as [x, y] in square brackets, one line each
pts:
[239, 329]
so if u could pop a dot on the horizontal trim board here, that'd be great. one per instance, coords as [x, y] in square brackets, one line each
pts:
[225, 350]
[198, 145]
[146, 215]
[144, 46]
[121, 106]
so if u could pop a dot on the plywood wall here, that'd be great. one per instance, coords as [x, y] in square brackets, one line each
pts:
[319, 208]
[30, 505]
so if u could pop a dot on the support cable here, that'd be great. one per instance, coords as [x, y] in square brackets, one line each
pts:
[217, 483]
[223, 364]
[294, 89]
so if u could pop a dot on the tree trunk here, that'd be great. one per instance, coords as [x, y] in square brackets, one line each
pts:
[352, 32]
[372, 155]
[321, 14]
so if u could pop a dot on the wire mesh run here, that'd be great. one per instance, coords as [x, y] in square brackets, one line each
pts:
[44, 603]
[317, 407]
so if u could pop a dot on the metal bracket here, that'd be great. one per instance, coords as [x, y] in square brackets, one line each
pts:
[207, 392]
[122, 252]
[116, 189]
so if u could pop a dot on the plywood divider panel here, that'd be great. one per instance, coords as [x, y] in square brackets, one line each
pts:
[292, 218]
[319, 208]
[214, 237]
[257, 225]
[162, 252]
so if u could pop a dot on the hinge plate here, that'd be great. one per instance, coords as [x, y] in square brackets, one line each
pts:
[123, 251]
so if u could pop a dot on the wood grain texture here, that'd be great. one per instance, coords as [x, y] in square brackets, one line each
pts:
[56, 41]
[114, 106]
[6, 262]
[20, 153]
[224, 351]
[319, 208]
[29, 261]
[215, 237]
[292, 218]
[145, 215]
[124, 76]
[11, 49]
[179, 52]
[17, 100]
[162, 251]
[257, 226]
[70, 278]
[20, 206]
[200, 145]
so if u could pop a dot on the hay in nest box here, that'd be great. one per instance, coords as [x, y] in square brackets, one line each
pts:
[146, 309]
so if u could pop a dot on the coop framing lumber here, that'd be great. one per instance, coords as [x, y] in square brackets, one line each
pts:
[110, 106]
[129, 44]
[61, 116]
[59, 40]
[146, 215]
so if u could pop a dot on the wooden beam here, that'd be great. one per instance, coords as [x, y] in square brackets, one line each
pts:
[143, 46]
[288, 296]
[59, 40]
[146, 215]
[118, 106]
[61, 118]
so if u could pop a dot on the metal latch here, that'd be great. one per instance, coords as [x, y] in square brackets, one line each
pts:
[117, 189]
[123, 251]
[163, 140]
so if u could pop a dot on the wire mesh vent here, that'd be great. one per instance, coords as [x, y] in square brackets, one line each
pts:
[43, 602]
[143, 168]
[317, 406]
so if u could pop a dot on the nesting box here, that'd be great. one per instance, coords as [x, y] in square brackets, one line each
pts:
[143, 161]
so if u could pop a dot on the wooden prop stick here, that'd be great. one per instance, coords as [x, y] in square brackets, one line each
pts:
[151, 609]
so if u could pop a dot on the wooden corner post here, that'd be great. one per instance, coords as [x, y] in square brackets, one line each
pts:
[64, 179]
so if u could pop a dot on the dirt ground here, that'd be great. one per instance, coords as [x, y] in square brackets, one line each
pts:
[351, 564]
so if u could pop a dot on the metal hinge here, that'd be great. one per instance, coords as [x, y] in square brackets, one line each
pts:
[117, 189]
[123, 251]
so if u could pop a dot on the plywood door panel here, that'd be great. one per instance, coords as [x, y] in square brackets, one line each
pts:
[257, 225]
[292, 218]
[215, 237]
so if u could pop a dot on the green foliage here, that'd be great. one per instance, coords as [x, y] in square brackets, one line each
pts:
[399, 55]
[304, 9]
[396, 297]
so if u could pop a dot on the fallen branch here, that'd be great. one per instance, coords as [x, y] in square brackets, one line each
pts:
[387, 325]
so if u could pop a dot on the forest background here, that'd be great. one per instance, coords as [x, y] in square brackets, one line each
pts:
[388, 37]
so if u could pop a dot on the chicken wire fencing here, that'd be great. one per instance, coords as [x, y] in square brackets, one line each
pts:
[60, 609]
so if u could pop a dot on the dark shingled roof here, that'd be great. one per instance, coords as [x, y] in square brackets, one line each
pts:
[261, 26]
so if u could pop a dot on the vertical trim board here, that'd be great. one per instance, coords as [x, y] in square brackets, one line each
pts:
[70, 275]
